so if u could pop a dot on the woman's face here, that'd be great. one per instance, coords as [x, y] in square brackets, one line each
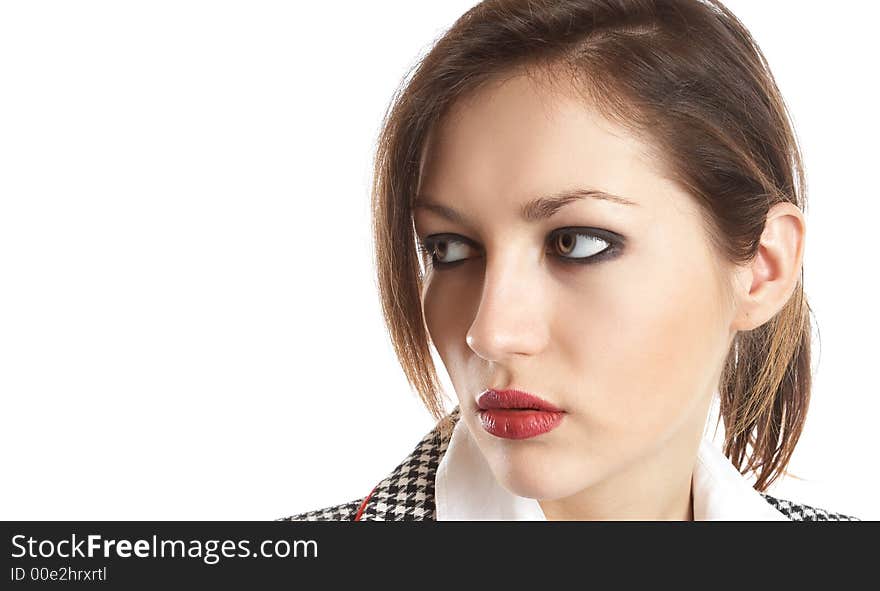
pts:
[625, 326]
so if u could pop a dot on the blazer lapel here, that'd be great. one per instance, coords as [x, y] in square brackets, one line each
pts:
[407, 494]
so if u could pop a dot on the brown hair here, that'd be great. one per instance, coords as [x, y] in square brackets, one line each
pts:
[684, 74]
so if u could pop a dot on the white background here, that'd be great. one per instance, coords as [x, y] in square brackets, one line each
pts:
[189, 324]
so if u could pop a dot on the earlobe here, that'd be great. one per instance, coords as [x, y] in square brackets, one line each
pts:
[769, 281]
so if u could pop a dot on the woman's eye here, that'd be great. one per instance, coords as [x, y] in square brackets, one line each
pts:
[571, 244]
[445, 250]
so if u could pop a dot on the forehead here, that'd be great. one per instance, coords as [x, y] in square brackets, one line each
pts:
[516, 137]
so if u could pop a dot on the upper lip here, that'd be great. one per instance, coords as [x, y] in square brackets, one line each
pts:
[490, 399]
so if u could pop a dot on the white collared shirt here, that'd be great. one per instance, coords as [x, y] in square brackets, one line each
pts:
[467, 490]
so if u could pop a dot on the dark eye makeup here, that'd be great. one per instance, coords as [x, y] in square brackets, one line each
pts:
[560, 243]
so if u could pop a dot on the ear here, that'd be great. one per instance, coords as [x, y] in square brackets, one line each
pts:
[765, 285]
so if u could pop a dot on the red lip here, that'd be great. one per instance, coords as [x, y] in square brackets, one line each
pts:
[514, 414]
[513, 399]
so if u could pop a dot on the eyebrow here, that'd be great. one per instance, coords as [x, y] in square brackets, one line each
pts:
[535, 210]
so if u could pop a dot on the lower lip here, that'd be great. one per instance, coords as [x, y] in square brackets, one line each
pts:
[519, 424]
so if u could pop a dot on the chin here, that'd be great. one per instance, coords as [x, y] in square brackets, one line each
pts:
[543, 490]
[535, 479]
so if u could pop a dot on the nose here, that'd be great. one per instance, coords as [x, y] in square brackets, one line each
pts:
[512, 316]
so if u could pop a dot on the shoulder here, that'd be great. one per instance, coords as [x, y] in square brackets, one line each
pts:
[800, 512]
[406, 493]
[341, 512]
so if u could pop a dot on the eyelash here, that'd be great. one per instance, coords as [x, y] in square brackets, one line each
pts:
[426, 247]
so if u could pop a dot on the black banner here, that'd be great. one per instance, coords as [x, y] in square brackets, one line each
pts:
[128, 555]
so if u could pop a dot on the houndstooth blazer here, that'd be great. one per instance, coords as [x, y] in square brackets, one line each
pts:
[407, 493]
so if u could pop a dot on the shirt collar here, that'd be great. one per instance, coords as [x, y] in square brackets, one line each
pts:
[466, 488]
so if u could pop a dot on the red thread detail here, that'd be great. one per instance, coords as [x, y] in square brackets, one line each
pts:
[360, 510]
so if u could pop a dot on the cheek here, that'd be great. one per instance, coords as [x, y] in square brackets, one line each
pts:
[435, 313]
[648, 343]
[446, 310]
